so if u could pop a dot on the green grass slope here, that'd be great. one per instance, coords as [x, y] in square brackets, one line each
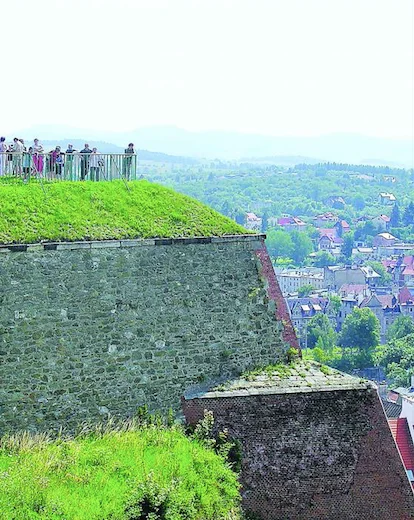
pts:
[103, 210]
[143, 473]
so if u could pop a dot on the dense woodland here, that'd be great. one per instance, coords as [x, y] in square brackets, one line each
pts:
[302, 191]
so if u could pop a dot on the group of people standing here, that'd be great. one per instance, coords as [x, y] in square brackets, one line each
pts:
[16, 159]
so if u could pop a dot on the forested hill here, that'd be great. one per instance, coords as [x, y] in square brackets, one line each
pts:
[360, 168]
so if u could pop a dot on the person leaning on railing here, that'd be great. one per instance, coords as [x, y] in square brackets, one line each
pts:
[85, 161]
[95, 164]
[69, 161]
[54, 166]
[27, 162]
[37, 156]
[129, 153]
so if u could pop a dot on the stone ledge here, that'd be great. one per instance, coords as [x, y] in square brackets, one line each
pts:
[299, 377]
[124, 243]
[253, 392]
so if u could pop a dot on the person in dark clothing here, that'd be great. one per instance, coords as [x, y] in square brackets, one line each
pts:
[85, 161]
[129, 153]
[56, 161]
[69, 162]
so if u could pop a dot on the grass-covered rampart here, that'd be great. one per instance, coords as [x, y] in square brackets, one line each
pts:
[146, 472]
[31, 213]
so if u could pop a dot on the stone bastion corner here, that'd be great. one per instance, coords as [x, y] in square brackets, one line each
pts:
[99, 328]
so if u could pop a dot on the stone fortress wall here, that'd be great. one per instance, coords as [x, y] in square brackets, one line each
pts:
[89, 329]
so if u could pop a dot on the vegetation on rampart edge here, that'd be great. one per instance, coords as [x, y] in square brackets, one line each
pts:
[70, 211]
[133, 473]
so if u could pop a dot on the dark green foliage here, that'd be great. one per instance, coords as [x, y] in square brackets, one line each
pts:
[402, 326]
[397, 357]
[358, 202]
[361, 332]
[279, 243]
[408, 215]
[335, 302]
[395, 216]
[344, 167]
[346, 248]
[323, 259]
[302, 246]
[319, 326]
[292, 355]
[149, 500]
[386, 278]
[305, 290]
[365, 230]
[229, 449]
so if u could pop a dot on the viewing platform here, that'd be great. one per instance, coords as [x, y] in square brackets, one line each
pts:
[74, 166]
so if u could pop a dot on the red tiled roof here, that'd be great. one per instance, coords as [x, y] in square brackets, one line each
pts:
[409, 267]
[404, 295]
[402, 437]
[349, 288]
[329, 232]
[326, 216]
[388, 262]
[290, 221]
[284, 221]
[407, 262]
[387, 300]
[298, 221]
[392, 396]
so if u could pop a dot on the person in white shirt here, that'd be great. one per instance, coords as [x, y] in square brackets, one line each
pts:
[18, 149]
[95, 164]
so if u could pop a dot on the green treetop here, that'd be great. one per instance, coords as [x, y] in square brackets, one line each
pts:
[360, 329]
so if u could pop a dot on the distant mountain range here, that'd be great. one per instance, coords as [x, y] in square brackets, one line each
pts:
[350, 148]
[104, 147]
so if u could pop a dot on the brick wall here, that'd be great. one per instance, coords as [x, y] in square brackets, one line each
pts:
[315, 455]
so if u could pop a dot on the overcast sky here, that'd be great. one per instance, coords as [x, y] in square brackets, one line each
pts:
[280, 67]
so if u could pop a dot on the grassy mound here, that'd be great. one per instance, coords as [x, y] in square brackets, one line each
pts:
[103, 210]
[136, 474]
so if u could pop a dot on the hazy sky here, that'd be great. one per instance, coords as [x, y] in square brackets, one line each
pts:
[281, 67]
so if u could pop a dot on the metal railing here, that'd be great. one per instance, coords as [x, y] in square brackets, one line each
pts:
[73, 166]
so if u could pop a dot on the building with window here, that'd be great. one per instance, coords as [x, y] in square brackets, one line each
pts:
[291, 280]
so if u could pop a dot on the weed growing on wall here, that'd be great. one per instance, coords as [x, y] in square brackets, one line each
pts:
[229, 449]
